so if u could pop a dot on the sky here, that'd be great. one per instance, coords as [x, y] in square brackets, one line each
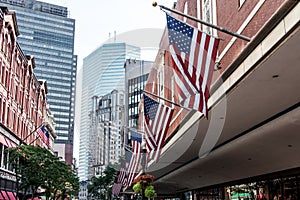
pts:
[96, 19]
[134, 20]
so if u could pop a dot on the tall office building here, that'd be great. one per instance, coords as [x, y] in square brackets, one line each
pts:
[47, 33]
[106, 133]
[103, 71]
[136, 75]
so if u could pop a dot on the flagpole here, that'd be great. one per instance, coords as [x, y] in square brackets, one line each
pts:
[35, 139]
[39, 136]
[171, 102]
[23, 140]
[204, 22]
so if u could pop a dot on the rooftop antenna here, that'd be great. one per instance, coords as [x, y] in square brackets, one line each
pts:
[115, 37]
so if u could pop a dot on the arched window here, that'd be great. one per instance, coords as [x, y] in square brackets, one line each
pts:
[185, 11]
[207, 15]
[241, 2]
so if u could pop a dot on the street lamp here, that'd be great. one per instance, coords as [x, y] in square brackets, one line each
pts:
[143, 163]
[143, 160]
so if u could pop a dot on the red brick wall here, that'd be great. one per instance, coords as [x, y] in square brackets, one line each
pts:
[22, 100]
[231, 17]
[69, 154]
[191, 9]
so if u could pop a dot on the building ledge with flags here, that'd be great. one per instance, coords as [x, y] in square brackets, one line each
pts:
[251, 127]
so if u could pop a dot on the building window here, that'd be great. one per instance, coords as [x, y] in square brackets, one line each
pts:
[6, 78]
[241, 2]
[5, 159]
[4, 111]
[185, 11]
[16, 92]
[161, 83]
[207, 15]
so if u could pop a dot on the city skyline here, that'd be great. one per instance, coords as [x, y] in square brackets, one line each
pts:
[129, 28]
[102, 72]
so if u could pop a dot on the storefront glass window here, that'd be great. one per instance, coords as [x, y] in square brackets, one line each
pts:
[290, 188]
[269, 189]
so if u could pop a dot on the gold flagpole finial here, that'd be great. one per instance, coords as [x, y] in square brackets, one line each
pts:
[154, 4]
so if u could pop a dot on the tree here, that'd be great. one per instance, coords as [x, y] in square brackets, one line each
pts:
[60, 180]
[101, 187]
[38, 169]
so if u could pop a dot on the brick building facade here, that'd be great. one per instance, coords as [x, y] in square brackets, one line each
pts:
[22, 99]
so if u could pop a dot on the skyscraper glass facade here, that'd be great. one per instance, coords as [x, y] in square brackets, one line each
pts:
[103, 71]
[47, 33]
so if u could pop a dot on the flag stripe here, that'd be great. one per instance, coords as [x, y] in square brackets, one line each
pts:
[179, 67]
[167, 113]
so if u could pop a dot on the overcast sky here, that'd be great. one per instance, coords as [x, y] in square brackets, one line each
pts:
[135, 20]
[95, 19]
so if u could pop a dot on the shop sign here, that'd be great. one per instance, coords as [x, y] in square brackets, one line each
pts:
[8, 176]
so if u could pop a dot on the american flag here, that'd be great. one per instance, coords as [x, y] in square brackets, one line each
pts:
[135, 136]
[120, 180]
[116, 188]
[157, 118]
[122, 177]
[44, 135]
[135, 160]
[193, 53]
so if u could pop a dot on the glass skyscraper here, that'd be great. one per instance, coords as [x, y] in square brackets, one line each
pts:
[47, 33]
[102, 72]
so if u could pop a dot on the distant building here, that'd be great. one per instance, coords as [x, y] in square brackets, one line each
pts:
[50, 124]
[23, 102]
[107, 127]
[47, 33]
[111, 117]
[102, 72]
[136, 75]
[83, 191]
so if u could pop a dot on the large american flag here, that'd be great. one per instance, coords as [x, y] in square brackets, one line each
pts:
[157, 118]
[44, 135]
[193, 53]
[135, 160]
